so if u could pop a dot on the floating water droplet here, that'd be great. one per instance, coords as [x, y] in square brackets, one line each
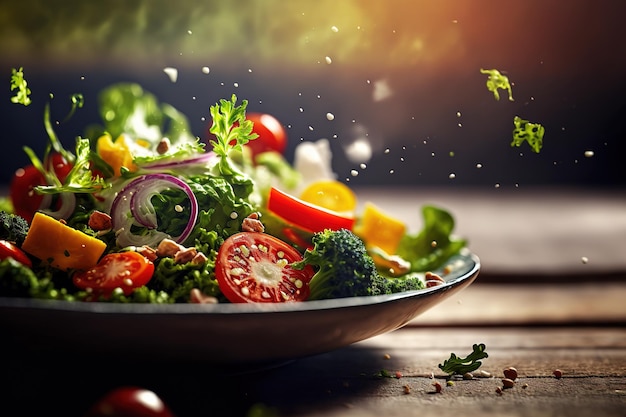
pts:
[354, 172]
[589, 154]
[584, 260]
[328, 60]
[172, 73]
[334, 29]
[363, 166]
[387, 150]
[452, 176]
[235, 85]
[206, 70]
[479, 165]
[330, 116]
[189, 32]
[458, 114]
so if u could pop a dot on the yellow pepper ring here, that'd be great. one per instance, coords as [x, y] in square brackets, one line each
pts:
[331, 195]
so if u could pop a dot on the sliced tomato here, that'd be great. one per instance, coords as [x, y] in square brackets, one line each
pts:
[254, 267]
[305, 215]
[21, 190]
[125, 270]
[272, 135]
[10, 250]
[130, 401]
[331, 194]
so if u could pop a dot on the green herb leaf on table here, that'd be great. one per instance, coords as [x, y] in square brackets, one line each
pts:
[458, 366]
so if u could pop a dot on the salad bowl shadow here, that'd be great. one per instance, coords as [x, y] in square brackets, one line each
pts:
[242, 334]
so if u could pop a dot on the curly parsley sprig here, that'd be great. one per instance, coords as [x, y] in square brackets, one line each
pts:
[459, 366]
[231, 129]
[18, 82]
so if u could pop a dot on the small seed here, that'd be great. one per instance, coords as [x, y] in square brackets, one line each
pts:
[508, 383]
[510, 373]
[557, 373]
[468, 375]
[407, 389]
[499, 390]
[437, 386]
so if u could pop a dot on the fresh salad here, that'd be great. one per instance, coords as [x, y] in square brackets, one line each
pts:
[142, 211]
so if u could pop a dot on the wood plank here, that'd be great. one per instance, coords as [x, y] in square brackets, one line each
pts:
[522, 304]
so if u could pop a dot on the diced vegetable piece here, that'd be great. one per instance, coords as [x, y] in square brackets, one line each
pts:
[62, 246]
[379, 229]
[305, 215]
[331, 194]
[117, 154]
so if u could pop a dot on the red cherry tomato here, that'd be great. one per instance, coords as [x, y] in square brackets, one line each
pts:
[272, 135]
[23, 197]
[254, 267]
[125, 270]
[306, 215]
[129, 401]
[9, 250]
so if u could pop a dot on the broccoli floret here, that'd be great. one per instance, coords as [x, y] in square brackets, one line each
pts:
[13, 227]
[345, 269]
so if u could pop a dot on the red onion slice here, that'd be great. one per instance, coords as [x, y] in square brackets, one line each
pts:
[201, 161]
[133, 206]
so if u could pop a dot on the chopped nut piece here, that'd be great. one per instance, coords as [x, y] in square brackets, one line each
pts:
[148, 252]
[508, 383]
[557, 373]
[185, 255]
[197, 297]
[99, 221]
[510, 373]
[432, 280]
[163, 146]
[168, 248]
[200, 258]
[252, 224]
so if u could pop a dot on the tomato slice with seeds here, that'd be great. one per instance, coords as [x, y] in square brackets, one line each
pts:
[254, 267]
[124, 270]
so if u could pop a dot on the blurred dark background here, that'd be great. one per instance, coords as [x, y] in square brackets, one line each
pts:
[400, 76]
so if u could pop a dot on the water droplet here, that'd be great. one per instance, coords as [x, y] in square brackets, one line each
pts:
[334, 29]
[584, 260]
[330, 116]
[479, 165]
[311, 128]
[497, 185]
[458, 114]
[329, 60]
[452, 176]
[172, 73]
[387, 150]
[363, 166]
[354, 172]
[589, 154]
[235, 85]
[391, 171]
[189, 32]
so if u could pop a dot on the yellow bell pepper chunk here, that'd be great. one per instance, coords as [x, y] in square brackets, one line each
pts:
[380, 230]
[330, 194]
[61, 245]
[117, 154]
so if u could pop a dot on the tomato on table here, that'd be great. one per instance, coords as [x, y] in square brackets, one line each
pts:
[130, 401]
[254, 267]
[21, 190]
[124, 270]
[10, 250]
[305, 215]
[272, 135]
